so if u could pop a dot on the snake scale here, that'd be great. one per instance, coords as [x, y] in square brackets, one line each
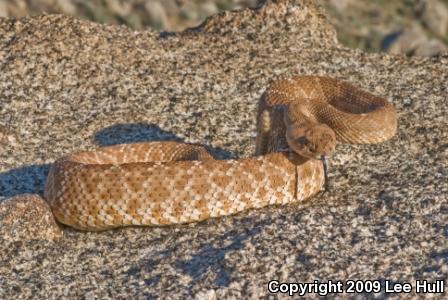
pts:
[299, 120]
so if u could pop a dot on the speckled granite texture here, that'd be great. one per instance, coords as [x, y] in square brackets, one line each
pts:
[27, 217]
[68, 85]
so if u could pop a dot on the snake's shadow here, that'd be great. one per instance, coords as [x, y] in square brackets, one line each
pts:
[31, 179]
[144, 132]
[132, 133]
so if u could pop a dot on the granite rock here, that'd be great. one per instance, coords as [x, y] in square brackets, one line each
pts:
[27, 217]
[435, 16]
[413, 41]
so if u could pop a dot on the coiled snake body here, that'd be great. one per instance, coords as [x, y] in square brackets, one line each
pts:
[161, 183]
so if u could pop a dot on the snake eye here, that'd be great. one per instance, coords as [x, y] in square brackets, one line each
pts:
[303, 141]
[306, 145]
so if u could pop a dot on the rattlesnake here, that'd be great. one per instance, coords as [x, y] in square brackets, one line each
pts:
[161, 183]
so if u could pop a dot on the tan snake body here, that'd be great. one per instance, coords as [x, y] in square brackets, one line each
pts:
[162, 183]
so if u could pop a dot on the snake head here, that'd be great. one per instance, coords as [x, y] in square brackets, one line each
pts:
[311, 141]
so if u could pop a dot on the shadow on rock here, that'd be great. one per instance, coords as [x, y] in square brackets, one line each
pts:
[23, 180]
[31, 179]
[133, 133]
[142, 132]
[208, 260]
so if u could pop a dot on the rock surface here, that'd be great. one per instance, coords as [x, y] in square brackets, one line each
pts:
[412, 41]
[68, 85]
[27, 217]
[412, 27]
[435, 17]
[159, 14]
[363, 24]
